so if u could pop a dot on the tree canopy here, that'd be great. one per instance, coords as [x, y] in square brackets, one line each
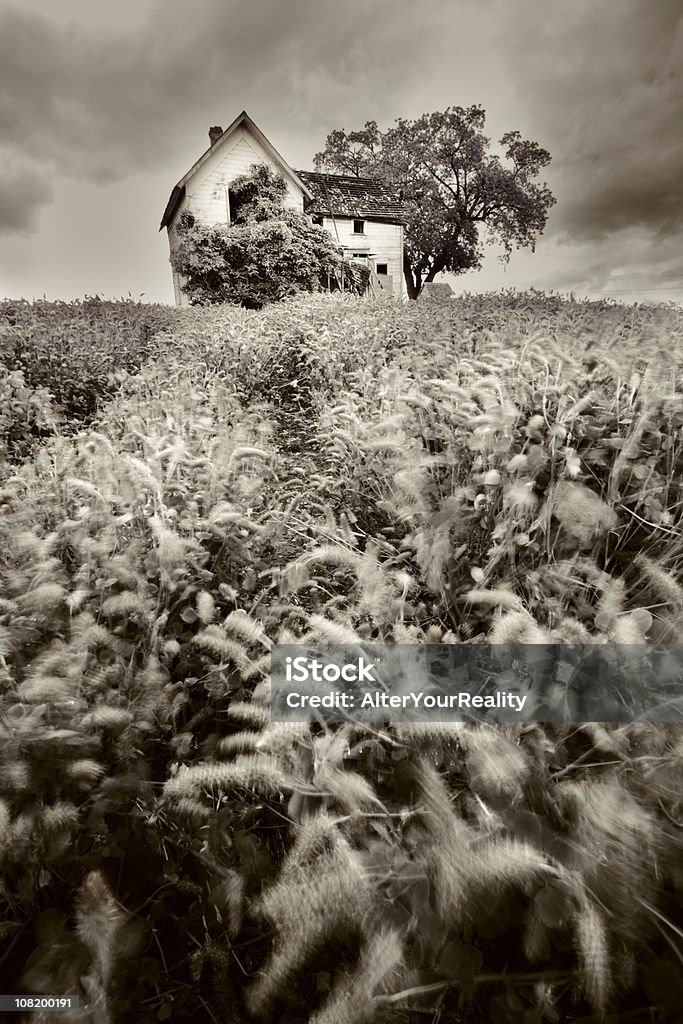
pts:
[267, 251]
[450, 185]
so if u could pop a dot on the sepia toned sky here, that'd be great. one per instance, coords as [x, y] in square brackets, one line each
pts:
[103, 107]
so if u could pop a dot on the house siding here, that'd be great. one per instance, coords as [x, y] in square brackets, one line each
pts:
[205, 192]
[383, 240]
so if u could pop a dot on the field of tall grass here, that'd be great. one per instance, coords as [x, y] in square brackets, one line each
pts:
[182, 489]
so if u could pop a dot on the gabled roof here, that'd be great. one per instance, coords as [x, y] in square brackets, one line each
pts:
[179, 190]
[346, 196]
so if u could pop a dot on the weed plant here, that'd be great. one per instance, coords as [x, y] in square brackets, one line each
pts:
[59, 361]
[501, 468]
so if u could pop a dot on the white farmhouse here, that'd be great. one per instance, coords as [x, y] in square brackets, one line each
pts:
[363, 215]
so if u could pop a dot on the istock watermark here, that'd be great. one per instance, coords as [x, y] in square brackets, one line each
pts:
[377, 683]
[303, 669]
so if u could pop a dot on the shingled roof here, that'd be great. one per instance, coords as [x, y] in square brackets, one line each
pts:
[342, 196]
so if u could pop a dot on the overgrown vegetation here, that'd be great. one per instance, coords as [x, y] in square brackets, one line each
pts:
[266, 253]
[59, 361]
[504, 468]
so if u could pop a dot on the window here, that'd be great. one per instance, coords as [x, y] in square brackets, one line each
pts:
[318, 219]
[382, 268]
[359, 227]
[359, 255]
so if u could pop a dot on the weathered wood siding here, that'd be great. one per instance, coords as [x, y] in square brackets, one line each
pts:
[206, 190]
[381, 241]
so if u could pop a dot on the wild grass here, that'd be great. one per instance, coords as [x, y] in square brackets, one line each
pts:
[504, 468]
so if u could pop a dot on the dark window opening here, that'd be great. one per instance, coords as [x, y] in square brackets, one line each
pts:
[360, 255]
[359, 227]
[318, 219]
[382, 268]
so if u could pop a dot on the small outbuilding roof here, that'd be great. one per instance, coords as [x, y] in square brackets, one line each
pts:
[347, 196]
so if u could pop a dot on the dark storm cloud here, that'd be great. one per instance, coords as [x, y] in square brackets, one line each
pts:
[97, 105]
[24, 187]
[603, 85]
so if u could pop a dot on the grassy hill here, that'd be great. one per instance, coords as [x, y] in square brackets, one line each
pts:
[180, 490]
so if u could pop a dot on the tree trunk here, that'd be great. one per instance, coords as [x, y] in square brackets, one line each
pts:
[436, 269]
[413, 281]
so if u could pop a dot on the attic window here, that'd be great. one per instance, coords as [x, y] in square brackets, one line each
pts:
[359, 227]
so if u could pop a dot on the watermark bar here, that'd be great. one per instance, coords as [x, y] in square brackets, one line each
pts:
[493, 683]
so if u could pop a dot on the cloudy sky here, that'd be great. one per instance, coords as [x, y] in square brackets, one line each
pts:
[104, 106]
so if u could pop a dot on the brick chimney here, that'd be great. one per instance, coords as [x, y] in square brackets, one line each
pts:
[215, 134]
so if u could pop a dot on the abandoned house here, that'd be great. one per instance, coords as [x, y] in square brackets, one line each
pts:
[363, 215]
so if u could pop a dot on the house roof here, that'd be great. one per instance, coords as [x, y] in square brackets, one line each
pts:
[346, 196]
[179, 190]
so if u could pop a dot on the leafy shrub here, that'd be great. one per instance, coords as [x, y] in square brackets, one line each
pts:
[26, 415]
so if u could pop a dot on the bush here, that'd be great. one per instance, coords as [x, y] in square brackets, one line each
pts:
[27, 415]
